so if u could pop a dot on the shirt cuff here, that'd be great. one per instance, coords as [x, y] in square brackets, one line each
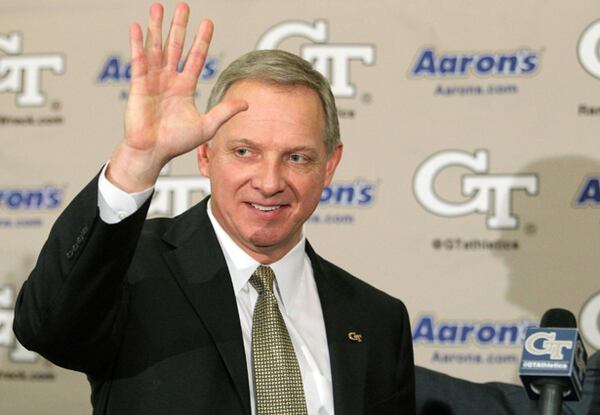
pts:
[115, 204]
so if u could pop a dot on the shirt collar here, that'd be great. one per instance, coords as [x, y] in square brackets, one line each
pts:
[288, 270]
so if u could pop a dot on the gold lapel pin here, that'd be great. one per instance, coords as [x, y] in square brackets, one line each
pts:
[355, 337]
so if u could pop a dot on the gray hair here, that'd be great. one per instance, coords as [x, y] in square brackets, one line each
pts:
[281, 68]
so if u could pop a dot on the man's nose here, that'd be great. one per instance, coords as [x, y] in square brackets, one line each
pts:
[269, 177]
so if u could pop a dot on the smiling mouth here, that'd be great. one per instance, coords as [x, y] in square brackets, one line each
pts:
[265, 208]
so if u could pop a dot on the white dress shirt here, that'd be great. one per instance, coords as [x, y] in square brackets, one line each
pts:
[295, 290]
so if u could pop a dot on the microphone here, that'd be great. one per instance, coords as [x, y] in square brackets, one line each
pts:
[553, 361]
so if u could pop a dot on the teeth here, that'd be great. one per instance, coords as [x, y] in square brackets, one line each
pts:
[265, 208]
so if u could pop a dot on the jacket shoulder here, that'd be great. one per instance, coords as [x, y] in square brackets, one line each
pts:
[355, 287]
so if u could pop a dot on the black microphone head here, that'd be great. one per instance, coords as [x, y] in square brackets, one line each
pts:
[558, 317]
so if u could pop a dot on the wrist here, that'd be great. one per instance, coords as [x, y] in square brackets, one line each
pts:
[133, 170]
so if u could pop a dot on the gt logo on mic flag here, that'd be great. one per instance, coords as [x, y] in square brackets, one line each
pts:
[550, 345]
[556, 353]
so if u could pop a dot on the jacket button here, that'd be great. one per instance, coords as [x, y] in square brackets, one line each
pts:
[80, 239]
[70, 254]
[84, 230]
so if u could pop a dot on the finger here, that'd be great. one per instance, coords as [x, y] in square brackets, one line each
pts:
[154, 36]
[139, 65]
[220, 114]
[176, 37]
[199, 50]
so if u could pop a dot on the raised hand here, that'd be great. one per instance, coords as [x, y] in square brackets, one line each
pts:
[161, 119]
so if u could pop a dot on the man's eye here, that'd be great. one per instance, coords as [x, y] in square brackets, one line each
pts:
[242, 152]
[298, 158]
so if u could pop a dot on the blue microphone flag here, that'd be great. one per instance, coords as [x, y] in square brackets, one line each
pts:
[553, 353]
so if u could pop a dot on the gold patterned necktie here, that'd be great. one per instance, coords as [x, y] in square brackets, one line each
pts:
[277, 376]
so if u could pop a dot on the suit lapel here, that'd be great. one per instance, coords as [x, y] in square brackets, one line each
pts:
[201, 271]
[348, 357]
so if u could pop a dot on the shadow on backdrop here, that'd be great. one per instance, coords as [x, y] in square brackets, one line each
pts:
[559, 256]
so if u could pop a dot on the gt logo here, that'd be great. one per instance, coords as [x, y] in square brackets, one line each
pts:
[549, 345]
[22, 74]
[17, 353]
[590, 320]
[491, 193]
[323, 56]
[587, 49]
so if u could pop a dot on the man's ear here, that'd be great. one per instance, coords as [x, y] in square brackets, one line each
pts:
[203, 161]
[332, 163]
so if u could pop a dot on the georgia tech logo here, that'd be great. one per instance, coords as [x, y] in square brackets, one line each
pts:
[323, 56]
[355, 337]
[173, 194]
[491, 193]
[22, 73]
[549, 345]
[590, 321]
[587, 49]
[17, 353]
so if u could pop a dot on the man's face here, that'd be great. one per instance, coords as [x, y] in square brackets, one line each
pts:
[268, 166]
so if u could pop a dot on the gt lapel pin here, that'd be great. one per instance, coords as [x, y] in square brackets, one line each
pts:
[355, 337]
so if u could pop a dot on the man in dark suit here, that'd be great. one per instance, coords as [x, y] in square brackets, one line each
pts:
[160, 314]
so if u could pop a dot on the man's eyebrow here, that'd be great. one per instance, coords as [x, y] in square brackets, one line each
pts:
[308, 149]
[241, 140]
[251, 143]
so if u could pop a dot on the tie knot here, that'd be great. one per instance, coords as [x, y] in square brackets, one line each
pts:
[262, 279]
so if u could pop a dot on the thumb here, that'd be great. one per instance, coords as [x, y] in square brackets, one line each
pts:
[220, 114]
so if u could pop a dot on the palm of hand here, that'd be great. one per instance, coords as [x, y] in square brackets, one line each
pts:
[162, 115]
[161, 119]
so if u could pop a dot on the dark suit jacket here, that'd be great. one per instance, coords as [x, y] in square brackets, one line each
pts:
[146, 309]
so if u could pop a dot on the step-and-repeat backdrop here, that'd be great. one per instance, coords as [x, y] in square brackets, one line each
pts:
[469, 187]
